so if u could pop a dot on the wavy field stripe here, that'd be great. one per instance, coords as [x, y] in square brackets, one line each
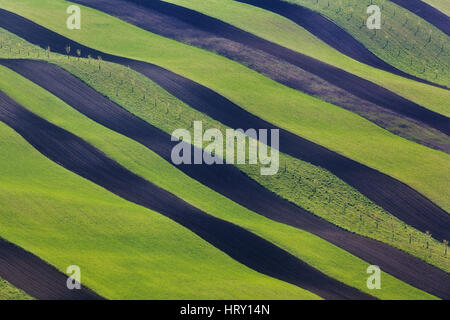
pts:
[330, 33]
[8, 292]
[151, 167]
[66, 219]
[81, 158]
[423, 58]
[301, 114]
[267, 58]
[227, 179]
[427, 12]
[282, 31]
[357, 86]
[36, 277]
[397, 198]
[441, 5]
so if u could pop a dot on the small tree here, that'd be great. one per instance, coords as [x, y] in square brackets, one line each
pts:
[428, 237]
[418, 28]
[446, 246]
[315, 185]
[78, 53]
[99, 58]
[350, 16]
[68, 51]
[387, 41]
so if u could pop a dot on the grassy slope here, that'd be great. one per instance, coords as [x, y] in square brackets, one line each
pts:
[9, 292]
[328, 125]
[442, 5]
[405, 40]
[124, 251]
[280, 30]
[308, 186]
[319, 253]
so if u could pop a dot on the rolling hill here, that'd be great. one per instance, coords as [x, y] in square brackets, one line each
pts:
[363, 153]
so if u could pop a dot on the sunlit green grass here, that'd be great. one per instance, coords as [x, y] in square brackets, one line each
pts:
[319, 253]
[302, 183]
[405, 40]
[323, 123]
[280, 30]
[124, 251]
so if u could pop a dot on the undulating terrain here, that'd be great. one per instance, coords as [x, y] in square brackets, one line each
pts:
[88, 131]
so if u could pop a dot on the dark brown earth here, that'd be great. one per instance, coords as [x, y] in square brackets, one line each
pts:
[189, 27]
[427, 12]
[228, 180]
[76, 155]
[355, 85]
[36, 277]
[389, 193]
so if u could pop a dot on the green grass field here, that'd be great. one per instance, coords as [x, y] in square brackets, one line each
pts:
[302, 183]
[284, 32]
[124, 251]
[9, 292]
[336, 262]
[405, 40]
[323, 123]
[40, 205]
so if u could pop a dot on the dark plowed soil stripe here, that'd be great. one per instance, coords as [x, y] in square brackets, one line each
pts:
[426, 12]
[357, 86]
[36, 277]
[394, 196]
[397, 198]
[195, 29]
[228, 180]
[76, 155]
[330, 33]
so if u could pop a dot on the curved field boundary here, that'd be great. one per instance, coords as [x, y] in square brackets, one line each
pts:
[426, 12]
[389, 193]
[330, 33]
[192, 28]
[36, 277]
[76, 155]
[440, 5]
[355, 85]
[228, 180]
